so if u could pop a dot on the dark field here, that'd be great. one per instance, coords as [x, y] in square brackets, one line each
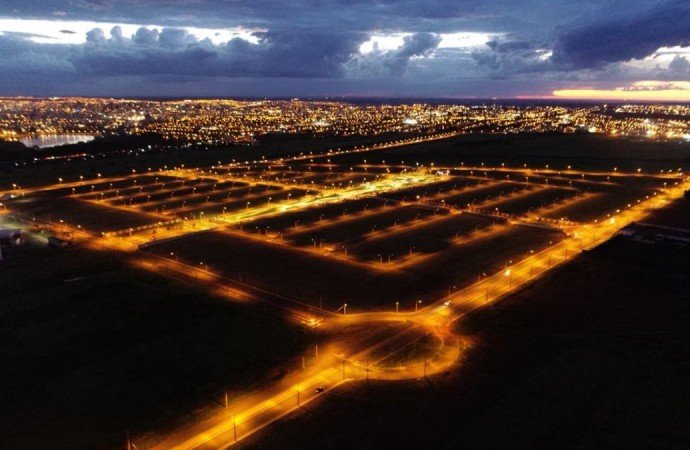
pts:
[540, 198]
[596, 208]
[481, 193]
[312, 275]
[354, 229]
[93, 348]
[593, 356]
[34, 174]
[427, 237]
[583, 152]
[676, 214]
[90, 216]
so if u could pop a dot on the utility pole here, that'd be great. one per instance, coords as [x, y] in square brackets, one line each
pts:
[226, 399]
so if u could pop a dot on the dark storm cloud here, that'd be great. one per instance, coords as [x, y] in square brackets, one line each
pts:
[308, 40]
[433, 16]
[25, 68]
[302, 54]
[622, 37]
[343, 14]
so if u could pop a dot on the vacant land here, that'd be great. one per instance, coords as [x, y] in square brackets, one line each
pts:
[605, 202]
[92, 348]
[426, 237]
[593, 356]
[581, 151]
[351, 230]
[312, 275]
[89, 216]
[676, 214]
[34, 173]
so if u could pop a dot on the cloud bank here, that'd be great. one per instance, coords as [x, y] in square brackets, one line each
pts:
[309, 47]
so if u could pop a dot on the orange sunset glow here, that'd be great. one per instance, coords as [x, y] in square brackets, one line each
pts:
[673, 91]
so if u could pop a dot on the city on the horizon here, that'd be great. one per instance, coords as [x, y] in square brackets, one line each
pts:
[219, 121]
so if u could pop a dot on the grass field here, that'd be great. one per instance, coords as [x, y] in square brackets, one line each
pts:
[429, 236]
[597, 208]
[535, 200]
[313, 276]
[356, 228]
[580, 151]
[92, 217]
[93, 348]
[122, 163]
[676, 215]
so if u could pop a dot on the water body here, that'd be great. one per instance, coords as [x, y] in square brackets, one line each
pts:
[51, 140]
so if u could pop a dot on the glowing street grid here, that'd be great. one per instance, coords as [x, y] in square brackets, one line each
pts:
[396, 252]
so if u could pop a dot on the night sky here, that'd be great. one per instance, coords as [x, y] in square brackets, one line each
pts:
[621, 49]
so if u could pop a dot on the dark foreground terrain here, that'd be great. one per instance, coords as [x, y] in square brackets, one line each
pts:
[594, 356]
[92, 348]
[120, 154]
